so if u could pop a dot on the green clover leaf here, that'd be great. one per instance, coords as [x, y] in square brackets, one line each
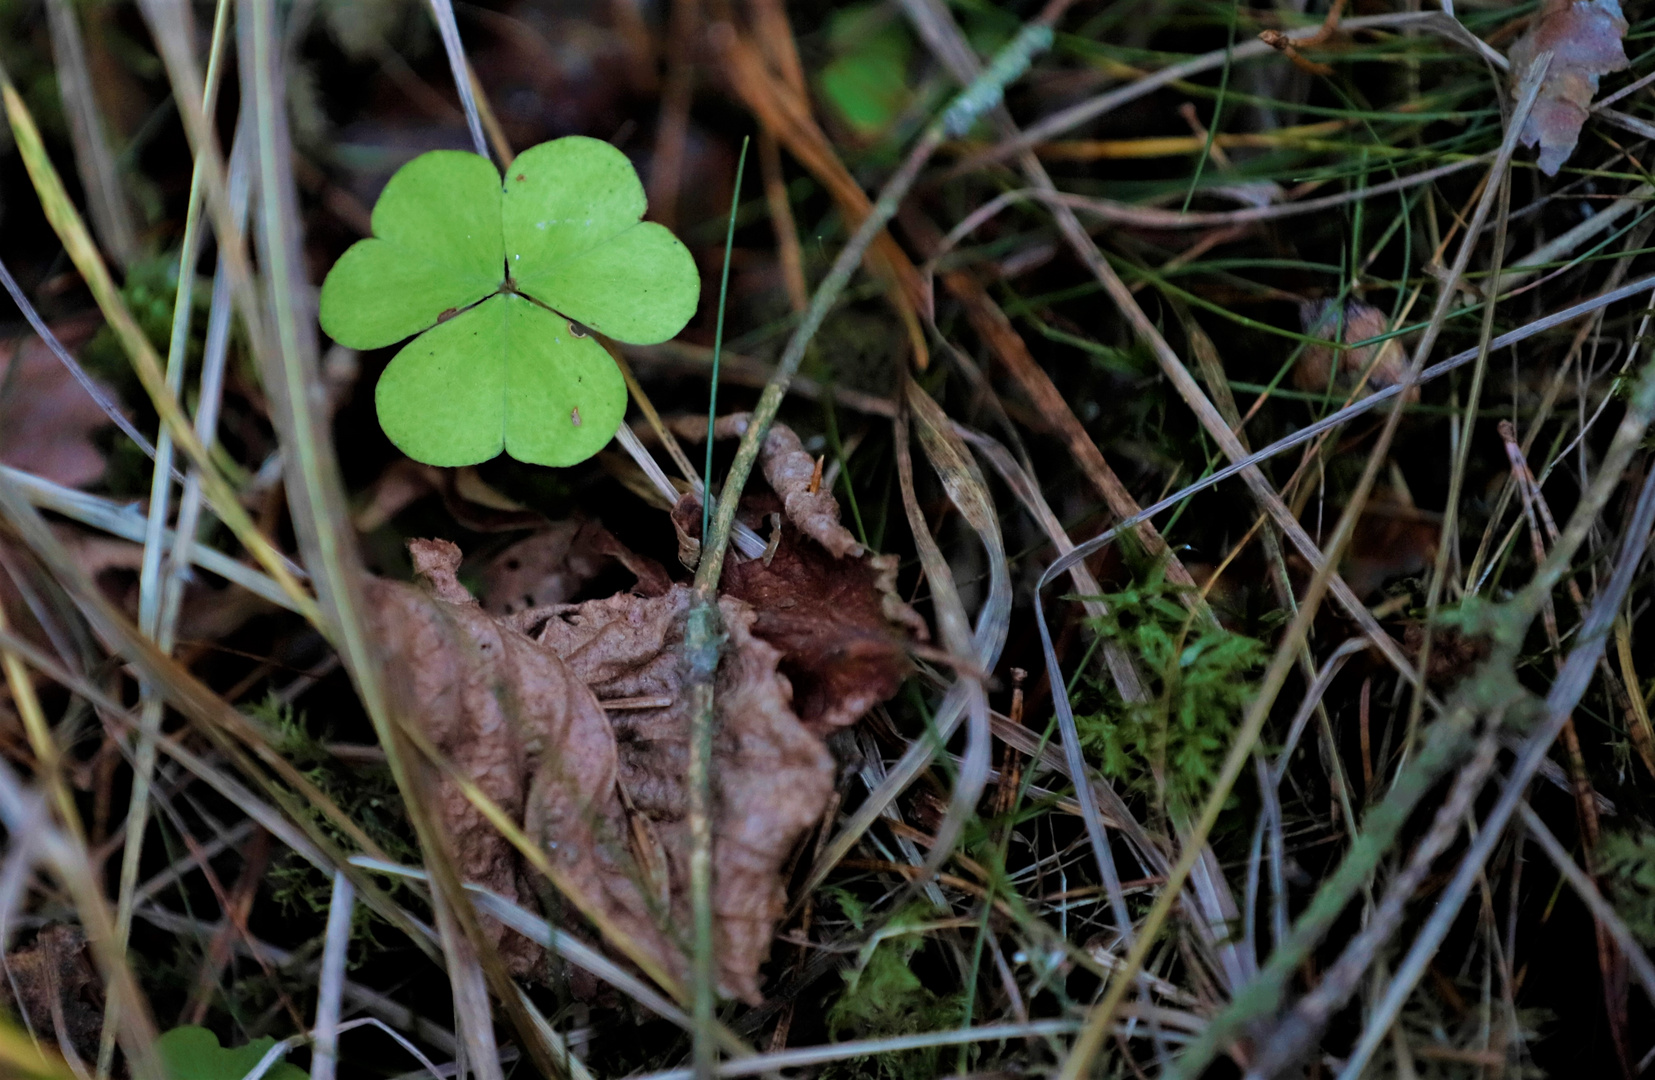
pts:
[493, 278]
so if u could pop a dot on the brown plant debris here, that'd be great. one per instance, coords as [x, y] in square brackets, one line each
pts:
[604, 795]
[51, 986]
[1584, 38]
[1326, 319]
[551, 567]
[829, 605]
[795, 478]
[833, 611]
[771, 776]
[46, 417]
[791, 473]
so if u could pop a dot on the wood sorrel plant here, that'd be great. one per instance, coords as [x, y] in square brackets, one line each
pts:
[498, 282]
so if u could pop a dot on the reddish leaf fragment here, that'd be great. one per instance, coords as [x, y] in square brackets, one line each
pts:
[1584, 38]
[843, 632]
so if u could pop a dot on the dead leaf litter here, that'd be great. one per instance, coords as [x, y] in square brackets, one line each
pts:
[573, 716]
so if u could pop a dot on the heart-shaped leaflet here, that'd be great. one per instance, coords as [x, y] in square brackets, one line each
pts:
[497, 280]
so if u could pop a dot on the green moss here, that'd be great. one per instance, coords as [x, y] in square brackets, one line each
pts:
[1201, 679]
[367, 795]
[1626, 861]
[884, 996]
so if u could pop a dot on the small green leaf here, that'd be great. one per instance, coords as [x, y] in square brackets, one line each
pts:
[867, 81]
[193, 1053]
[491, 280]
[505, 375]
[576, 241]
[436, 246]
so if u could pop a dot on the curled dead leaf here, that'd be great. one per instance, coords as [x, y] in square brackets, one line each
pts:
[1584, 38]
[771, 776]
[791, 473]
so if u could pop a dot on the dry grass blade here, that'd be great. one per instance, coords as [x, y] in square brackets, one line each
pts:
[1565, 694]
[1150, 217]
[72, 231]
[1294, 1033]
[967, 490]
[442, 11]
[805, 1057]
[330, 990]
[94, 159]
[1122, 668]
[559, 941]
[124, 522]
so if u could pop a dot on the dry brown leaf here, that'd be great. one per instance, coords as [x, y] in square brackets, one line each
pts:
[56, 990]
[843, 631]
[771, 776]
[1323, 319]
[1584, 38]
[493, 702]
[46, 417]
[604, 795]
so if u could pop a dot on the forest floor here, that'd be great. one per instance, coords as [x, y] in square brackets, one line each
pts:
[1175, 601]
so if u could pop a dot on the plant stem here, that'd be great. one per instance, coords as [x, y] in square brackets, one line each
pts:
[703, 638]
